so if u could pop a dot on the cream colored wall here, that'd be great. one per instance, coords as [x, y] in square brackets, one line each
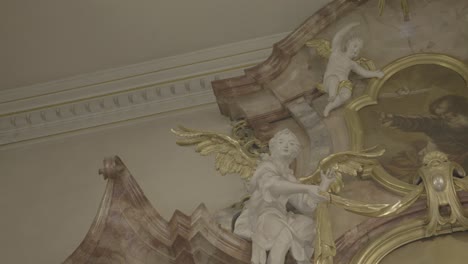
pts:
[52, 39]
[50, 191]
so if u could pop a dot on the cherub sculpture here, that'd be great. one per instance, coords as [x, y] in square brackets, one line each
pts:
[265, 219]
[340, 64]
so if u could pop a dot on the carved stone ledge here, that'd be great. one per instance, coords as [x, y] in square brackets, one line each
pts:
[123, 94]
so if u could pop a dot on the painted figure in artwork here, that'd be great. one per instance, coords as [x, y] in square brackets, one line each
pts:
[265, 220]
[340, 63]
[446, 128]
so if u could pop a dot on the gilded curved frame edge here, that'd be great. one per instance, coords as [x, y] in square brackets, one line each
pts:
[369, 98]
[411, 231]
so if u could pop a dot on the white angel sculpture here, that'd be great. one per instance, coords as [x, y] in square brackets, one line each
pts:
[265, 219]
[340, 64]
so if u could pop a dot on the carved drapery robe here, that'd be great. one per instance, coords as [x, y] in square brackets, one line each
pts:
[264, 208]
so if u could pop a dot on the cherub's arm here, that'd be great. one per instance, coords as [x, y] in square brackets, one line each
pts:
[355, 67]
[337, 41]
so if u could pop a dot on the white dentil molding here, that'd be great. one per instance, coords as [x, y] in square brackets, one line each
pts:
[124, 93]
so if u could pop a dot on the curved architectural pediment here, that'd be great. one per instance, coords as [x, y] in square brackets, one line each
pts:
[127, 229]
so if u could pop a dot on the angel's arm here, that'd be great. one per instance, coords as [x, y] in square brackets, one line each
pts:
[304, 203]
[365, 73]
[337, 41]
[273, 185]
[281, 187]
[308, 203]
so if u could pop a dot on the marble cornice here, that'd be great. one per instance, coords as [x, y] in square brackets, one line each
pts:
[125, 93]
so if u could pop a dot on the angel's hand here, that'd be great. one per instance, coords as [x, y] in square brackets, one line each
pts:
[379, 74]
[328, 178]
[324, 196]
[329, 175]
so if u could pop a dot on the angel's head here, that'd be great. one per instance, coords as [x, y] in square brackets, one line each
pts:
[353, 47]
[284, 145]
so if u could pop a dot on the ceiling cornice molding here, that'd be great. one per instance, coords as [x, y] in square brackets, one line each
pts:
[124, 93]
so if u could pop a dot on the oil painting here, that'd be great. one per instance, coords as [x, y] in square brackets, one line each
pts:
[419, 109]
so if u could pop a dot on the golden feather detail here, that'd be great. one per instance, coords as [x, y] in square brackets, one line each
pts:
[348, 163]
[231, 156]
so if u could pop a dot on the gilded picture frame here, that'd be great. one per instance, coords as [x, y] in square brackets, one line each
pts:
[361, 113]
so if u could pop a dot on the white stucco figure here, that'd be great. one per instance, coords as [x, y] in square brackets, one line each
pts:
[340, 64]
[265, 220]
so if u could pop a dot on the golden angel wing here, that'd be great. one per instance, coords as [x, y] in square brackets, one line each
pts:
[348, 162]
[321, 46]
[231, 156]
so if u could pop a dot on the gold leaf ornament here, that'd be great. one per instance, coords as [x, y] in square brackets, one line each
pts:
[349, 163]
[232, 155]
[321, 46]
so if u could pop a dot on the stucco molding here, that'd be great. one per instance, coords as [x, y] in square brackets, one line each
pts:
[125, 93]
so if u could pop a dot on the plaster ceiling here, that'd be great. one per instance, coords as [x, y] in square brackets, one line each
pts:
[53, 39]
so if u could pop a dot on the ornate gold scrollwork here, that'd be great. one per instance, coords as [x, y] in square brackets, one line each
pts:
[445, 212]
[234, 154]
